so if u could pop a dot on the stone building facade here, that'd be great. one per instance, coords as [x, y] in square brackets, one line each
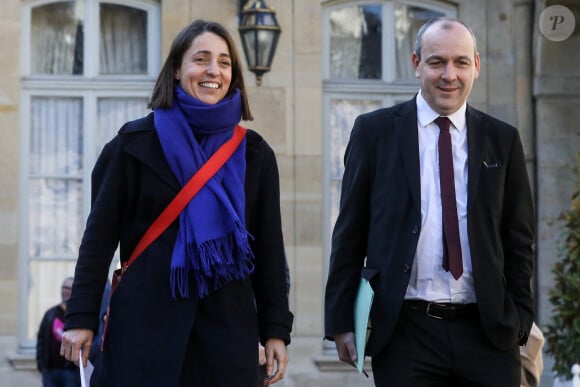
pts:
[304, 109]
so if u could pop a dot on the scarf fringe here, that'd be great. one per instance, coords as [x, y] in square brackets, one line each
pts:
[214, 263]
[178, 278]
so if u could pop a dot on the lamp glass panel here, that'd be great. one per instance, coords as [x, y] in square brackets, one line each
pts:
[275, 37]
[248, 40]
[266, 19]
[265, 45]
[250, 19]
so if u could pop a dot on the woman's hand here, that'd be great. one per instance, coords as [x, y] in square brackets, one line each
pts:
[72, 342]
[261, 354]
[275, 352]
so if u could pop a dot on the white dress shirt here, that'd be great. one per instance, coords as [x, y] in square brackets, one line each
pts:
[429, 281]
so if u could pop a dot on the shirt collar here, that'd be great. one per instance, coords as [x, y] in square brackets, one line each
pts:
[426, 115]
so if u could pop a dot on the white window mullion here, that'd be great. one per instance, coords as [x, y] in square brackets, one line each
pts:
[326, 44]
[154, 42]
[25, 343]
[89, 156]
[92, 36]
[389, 49]
[25, 40]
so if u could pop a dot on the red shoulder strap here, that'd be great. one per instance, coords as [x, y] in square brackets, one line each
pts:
[189, 190]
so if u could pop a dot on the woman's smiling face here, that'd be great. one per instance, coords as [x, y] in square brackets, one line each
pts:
[206, 69]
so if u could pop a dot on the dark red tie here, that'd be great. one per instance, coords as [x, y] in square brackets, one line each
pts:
[451, 242]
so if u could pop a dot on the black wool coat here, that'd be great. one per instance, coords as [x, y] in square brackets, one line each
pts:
[148, 330]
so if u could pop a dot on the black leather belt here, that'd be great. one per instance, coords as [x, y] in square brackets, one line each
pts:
[442, 311]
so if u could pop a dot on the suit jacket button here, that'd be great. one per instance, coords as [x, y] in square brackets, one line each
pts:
[406, 268]
[415, 229]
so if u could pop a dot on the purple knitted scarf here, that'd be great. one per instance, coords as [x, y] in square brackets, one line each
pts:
[212, 242]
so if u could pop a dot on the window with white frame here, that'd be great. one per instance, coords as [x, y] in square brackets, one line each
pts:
[88, 66]
[367, 65]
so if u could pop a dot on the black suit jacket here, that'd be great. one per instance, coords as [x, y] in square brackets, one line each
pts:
[380, 219]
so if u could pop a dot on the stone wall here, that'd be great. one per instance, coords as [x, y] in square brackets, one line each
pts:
[9, 163]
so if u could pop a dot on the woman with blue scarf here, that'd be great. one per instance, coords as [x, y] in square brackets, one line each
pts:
[191, 310]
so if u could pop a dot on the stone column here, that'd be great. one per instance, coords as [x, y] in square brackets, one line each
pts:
[557, 111]
[523, 19]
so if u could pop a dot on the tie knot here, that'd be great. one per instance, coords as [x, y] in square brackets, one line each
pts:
[444, 123]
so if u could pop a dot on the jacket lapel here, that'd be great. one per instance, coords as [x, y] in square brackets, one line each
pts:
[148, 151]
[406, 126]
[476, 132]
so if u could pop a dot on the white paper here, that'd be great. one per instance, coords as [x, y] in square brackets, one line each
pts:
[86, 372]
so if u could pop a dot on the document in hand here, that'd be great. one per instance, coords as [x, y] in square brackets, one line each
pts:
[362, 309]
[86, 372]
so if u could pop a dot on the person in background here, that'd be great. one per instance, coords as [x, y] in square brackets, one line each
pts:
[56, 370]
[193, 306]
[436, 199]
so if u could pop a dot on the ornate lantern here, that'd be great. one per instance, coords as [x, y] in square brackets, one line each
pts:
[259, 31]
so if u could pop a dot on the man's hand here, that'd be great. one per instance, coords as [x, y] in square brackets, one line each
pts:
[275, 352]
[72, 342]
[346, 348]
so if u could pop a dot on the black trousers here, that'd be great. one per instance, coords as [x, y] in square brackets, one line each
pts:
[428, 352]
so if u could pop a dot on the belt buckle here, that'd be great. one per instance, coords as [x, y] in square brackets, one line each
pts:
[428, 312]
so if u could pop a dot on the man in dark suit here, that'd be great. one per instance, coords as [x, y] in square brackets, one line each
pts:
[448, 246]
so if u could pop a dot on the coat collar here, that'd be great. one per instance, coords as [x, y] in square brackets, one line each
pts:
[147, 150]
[476, 134]
[405, 123]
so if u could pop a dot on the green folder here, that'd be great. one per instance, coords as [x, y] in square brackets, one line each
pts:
[362, 309]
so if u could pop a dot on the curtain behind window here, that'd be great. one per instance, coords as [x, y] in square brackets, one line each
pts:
[355, 42]
[342, 113]
[56, 123]
[56, 45]
[55, 177]
[123, 44]
[57, 39]
[112, 113]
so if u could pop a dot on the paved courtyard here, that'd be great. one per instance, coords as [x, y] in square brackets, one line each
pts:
[302, 370]
[9, 377]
